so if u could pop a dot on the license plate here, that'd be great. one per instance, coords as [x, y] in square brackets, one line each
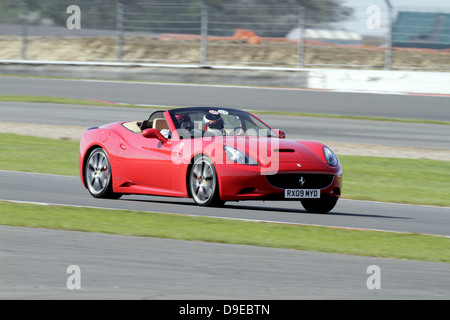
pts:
[302, 193]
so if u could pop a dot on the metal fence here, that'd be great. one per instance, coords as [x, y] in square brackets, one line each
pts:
[372, 34]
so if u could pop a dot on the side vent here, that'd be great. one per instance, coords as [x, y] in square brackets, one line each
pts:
[246, 190]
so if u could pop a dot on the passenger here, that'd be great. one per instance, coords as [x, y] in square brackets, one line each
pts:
[185, 121]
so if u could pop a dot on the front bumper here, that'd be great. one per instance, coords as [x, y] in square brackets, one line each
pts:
[246, 182]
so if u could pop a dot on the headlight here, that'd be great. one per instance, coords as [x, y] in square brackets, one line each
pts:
[331, 158]
[237, 156]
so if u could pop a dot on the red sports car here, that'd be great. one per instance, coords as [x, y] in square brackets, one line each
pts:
[212, 155]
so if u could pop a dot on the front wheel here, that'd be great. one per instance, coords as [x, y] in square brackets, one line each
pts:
[322, 205]
[98, 175]
[203, 184]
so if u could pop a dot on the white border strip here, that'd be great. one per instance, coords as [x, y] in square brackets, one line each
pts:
[316, 83]
[155, 65]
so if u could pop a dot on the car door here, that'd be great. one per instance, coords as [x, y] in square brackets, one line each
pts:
[145, 161]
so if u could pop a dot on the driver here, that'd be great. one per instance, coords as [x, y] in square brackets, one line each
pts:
[185, 121]
[212, 121]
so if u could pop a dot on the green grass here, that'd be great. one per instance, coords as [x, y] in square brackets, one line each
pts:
[146, 224]
[61, 100]
[350, 117]
[414, 181]
[43, 155]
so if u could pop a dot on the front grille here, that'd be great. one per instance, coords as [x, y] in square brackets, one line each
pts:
[294, 180]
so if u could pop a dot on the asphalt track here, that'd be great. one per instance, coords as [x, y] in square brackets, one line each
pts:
[129, 267]
[274, 99]
[34, 265]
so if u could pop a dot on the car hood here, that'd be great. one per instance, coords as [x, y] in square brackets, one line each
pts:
[265, 150]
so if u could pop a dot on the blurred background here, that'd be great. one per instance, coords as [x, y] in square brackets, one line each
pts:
[363, 34]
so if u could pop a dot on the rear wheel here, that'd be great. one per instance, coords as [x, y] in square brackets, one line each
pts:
[203, 184]
[98, 175]
[322, 205]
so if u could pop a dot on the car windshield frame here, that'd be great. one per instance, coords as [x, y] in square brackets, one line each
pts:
[236, 123]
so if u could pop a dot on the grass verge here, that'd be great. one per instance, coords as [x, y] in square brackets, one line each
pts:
[414, 181]
[310, 238]
[43, 155]
[61, 100]
[350, 117]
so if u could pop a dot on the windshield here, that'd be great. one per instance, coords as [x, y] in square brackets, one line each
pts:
[201, 122]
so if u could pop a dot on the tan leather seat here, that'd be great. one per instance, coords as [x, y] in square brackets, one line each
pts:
[160, 123]
[133, 126]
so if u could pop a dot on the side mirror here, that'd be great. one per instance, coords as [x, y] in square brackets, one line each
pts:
[154, 134]
[281, 133]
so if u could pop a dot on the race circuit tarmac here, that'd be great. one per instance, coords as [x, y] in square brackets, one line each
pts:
[34, 264]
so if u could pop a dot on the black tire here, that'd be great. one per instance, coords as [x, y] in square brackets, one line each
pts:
[98, 175]
[322, 205]
[203, 183]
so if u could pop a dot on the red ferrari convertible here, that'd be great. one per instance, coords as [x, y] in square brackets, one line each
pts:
[211, 155]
